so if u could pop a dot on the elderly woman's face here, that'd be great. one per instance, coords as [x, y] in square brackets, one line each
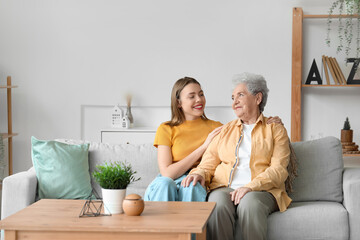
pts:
[245, 105]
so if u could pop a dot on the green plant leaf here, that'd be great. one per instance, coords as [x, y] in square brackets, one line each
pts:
[114, 175]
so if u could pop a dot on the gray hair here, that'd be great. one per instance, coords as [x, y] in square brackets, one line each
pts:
[255, 83]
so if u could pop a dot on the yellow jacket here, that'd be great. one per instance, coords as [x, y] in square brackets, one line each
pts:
[270, 154]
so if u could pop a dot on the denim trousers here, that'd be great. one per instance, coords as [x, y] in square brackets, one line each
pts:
[167, 189]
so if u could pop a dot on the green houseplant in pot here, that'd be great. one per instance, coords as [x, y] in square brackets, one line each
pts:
[113, 178]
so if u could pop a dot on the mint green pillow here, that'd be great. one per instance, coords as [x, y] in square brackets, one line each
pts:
[62, 169]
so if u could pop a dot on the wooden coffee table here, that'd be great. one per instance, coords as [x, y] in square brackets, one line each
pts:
[59, 219]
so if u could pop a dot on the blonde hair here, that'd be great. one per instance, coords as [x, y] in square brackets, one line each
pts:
[177, 114]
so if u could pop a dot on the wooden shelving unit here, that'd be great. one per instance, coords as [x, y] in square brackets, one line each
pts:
[9, 134]
[351, 155]
[296, 75]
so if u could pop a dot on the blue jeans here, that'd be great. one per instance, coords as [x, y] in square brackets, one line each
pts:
[167, 189]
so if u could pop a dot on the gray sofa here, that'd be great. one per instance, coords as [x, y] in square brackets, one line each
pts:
[326, 197]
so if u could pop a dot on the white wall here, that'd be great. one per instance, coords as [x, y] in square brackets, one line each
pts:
[70, 53]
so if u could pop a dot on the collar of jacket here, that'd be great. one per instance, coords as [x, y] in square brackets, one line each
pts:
[260, 119]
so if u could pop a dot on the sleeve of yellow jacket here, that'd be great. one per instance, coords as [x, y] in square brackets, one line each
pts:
[209, 162]
[275, 175]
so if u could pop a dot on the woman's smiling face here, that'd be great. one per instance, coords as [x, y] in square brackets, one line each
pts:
[192, 101]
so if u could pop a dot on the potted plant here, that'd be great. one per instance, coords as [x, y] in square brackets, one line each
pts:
[346, 132]
[113, 178]
[348, 7]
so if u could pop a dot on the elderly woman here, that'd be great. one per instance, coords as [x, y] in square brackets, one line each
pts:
[245, 166]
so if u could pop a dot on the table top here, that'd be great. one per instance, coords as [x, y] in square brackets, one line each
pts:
[63, 215]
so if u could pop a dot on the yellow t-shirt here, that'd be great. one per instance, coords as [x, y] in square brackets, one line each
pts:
[184, 138]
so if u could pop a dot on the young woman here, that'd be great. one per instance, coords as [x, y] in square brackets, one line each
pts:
[181, 143]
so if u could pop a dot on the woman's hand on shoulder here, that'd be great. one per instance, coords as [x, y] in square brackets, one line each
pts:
[211, 135]
[275, 119]
[194, 178]
[238, 194]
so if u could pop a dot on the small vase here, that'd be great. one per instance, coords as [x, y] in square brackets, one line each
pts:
[129, 115]
[113, 200]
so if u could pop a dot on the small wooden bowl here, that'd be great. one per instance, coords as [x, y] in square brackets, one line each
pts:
[133, 205]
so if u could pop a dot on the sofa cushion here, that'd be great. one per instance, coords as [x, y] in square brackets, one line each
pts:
[309, 220]
[142, 157]
[62, 169]
[320, 167]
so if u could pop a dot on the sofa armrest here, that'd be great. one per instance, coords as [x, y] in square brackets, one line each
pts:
[18, 192]
[351, 188]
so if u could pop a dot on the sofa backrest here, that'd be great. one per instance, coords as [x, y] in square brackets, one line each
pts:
[320, 168]
[142, 157]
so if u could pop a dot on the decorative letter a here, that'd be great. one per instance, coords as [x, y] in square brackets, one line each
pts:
[314, 74]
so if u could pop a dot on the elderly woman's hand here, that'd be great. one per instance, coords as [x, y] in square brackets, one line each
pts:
[275, 119]
[192, 178]
[238, 194]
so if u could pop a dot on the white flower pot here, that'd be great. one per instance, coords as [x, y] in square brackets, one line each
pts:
[113, 199]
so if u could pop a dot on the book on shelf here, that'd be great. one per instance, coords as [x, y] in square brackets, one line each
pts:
[338, 79]
[330, 66]
[326, 70]
[341, 75]
[337, 75]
